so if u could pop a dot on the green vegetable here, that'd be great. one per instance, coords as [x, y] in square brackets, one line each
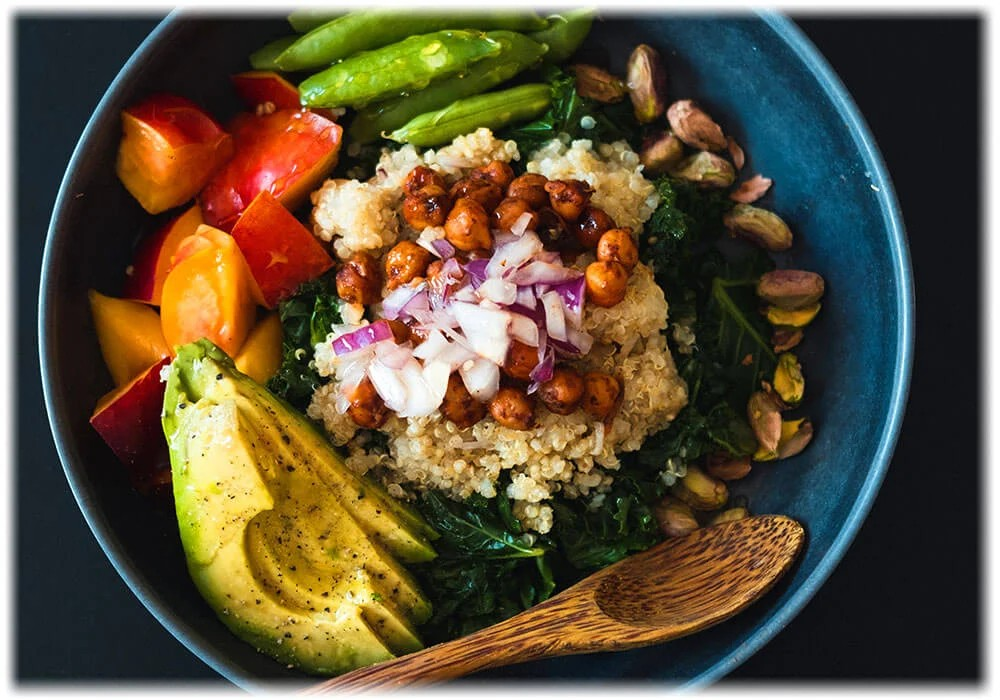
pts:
[565, 33]
[493, 110]
[308, 18]
[405, 66]
[517, 53]
[264, 57]
[366, 30]
[306, 319]
[575, 116]
[487, 569]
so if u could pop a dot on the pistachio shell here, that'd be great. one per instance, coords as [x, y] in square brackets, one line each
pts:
[799, 318]
[763, 227]
[706, 169]
[694, 127]
[729, 515]
[791, 289]
[785, 338]
[660, 153]
[598, 84]
[646, 79]
[700, 491]
[749, 191]
[788, 380]
[764, 415]
[675, 517]
[727, 467]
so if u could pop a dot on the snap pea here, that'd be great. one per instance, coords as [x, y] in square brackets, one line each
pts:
[565, 33]
[517, 53]
[263, 58]
[405, 66]
[364, 30]
[493, 110]
[308, 18]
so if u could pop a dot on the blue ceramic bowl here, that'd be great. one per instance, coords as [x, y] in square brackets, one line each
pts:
[771, 90]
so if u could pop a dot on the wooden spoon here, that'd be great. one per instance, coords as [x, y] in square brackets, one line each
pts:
[678, 587]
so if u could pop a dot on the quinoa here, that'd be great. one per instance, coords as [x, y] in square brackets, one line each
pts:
[573, 456]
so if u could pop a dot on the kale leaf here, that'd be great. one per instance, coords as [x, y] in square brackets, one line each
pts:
[576, 116]
[486, 570]
[306, 319]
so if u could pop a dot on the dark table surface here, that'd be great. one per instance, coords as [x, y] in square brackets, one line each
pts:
[904, 604]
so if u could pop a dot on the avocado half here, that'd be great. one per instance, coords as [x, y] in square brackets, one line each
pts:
[295, 553]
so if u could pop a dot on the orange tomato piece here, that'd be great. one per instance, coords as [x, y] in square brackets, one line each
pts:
[208, 293]
[260, 356]
[152, 259]
[170, 147]
[129, 335]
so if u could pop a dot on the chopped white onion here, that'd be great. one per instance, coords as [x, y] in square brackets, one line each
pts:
[524, 329]
[498, 291]
[486, 330]
[388, 385]
[481, 377]
[510, 256]
[555, 320]
[521, 224]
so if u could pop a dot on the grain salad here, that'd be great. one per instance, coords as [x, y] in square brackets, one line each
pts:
[572, 455]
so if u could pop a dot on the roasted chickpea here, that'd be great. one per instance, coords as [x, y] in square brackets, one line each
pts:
[459, 406]
[606, 283]
[468, 226]
[563, 393]
[495, 171]
[509, 211]
[618, 245]
[513, 408]
[531, 188]
[359, 280]
[552, 229]
[485, 192]
[367, 408]
[521, 359]
[591, 225]
[405, 262]
[600, 394]
[569, 197]
[426, 207]
[422, 176]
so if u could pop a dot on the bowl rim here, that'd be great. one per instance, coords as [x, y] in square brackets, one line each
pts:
[771, 625]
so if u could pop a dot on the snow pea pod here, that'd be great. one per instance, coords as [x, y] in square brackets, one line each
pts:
[493, 110]
[306, 19]
[565, 33]
[364, 30]
[517, 53]
[405, 66]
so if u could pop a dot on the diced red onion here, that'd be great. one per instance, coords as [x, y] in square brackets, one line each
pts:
[536, 272]
[486, 330]
[498, 291]
[476, 269]
[388, 385]
[393, 356]
[396, 300]
[456, 355]
[521, 224]
[555, 321]
[362, 337]
[510, 256]
[443, 248]
[434, 344]
[572, 295]
[526, 297]
[481, 377]
[524, 329]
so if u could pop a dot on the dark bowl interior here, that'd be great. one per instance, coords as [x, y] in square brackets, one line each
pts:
[768, 87]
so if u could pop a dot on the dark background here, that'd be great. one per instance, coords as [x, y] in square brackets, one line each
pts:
[904, 604]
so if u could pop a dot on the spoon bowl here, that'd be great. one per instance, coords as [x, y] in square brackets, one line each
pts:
[677, 588]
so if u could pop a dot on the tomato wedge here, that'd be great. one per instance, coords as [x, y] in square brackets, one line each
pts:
[288, 153]
[170, 147]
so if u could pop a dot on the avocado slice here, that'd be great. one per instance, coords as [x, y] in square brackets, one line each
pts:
[275, 535]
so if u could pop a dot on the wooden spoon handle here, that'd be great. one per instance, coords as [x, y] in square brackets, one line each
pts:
[556, 627]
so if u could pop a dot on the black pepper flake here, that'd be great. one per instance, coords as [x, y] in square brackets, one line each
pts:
[288, 635]
[289, 468]
[258, 601]
[182, 405]
[287, 440]
[218, 377]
